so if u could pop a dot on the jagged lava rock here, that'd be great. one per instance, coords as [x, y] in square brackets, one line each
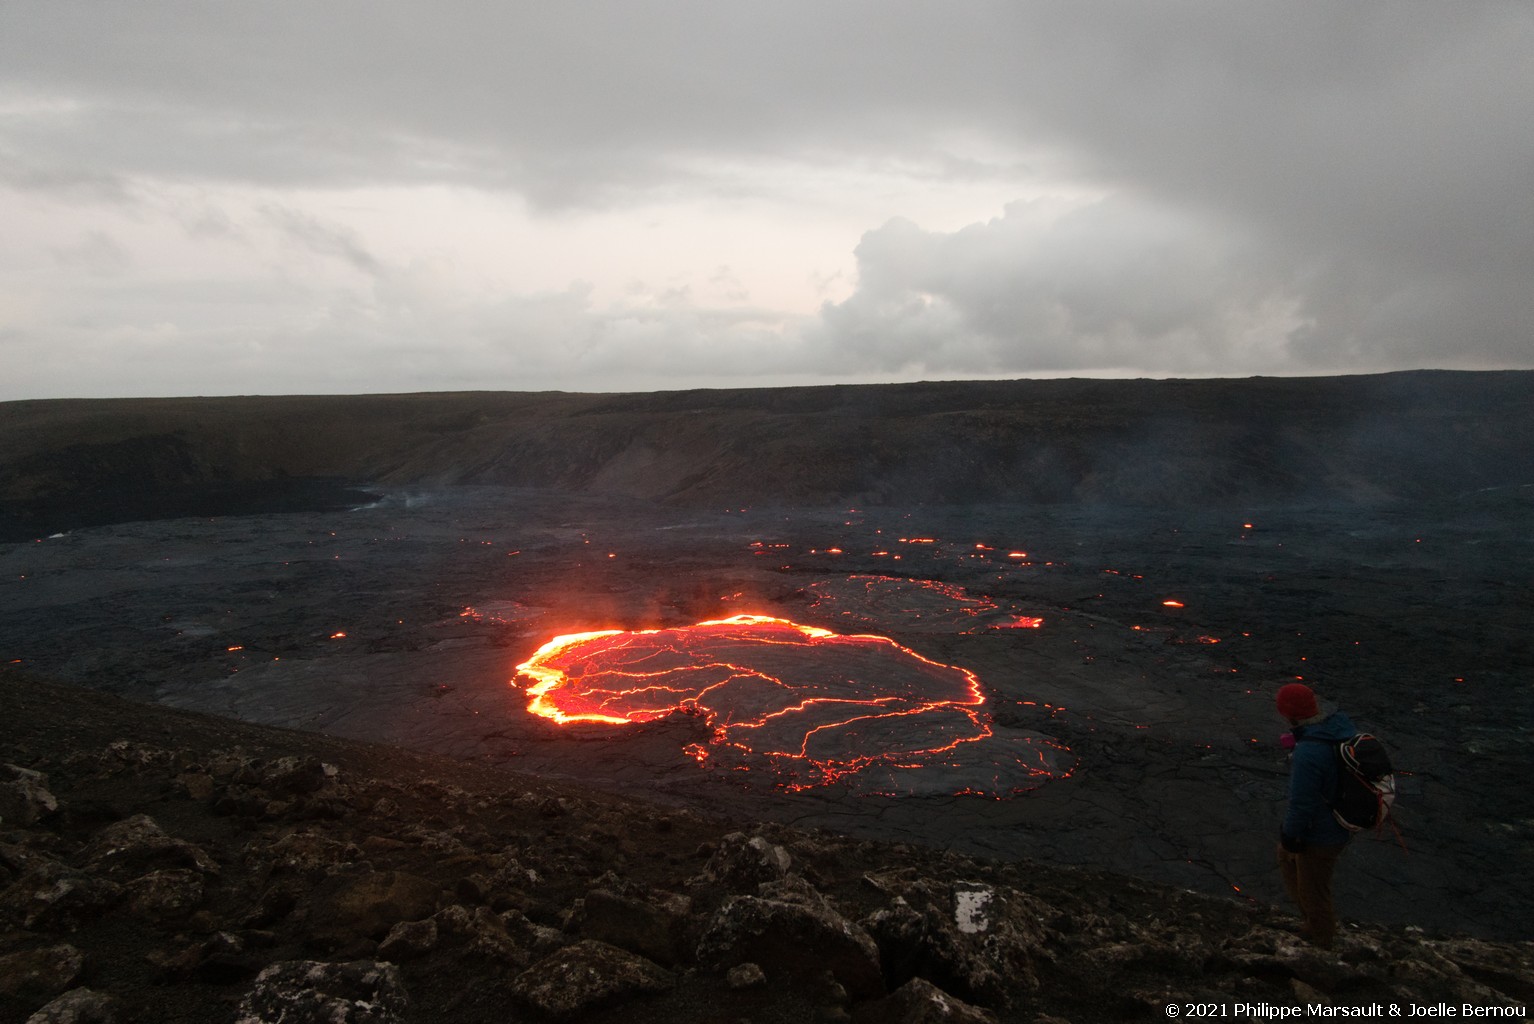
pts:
[138, 844]
[409, 940]
[741, 863]
[653, 930]
[746, 975]
[919, 1001]
[51, 896]
[792, 939]
[586, 976]
[164, 897]
[365, 905]
[38, 975]
[24, 796]
[481, 932]
[80, 1006]
[979, 941]
[311, 992]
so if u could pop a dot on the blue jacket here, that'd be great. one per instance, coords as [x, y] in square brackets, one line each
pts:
[1313, 782]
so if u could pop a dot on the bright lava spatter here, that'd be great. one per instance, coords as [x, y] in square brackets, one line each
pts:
[808, 706]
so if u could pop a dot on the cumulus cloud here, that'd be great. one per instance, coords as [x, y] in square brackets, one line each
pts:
[1133, 287]
[1108, 285]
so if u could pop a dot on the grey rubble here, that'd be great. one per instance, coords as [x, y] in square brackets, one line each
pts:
[183, 868]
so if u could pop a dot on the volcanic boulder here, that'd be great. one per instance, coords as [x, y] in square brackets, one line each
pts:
[480, 932]
[80, 1006]
[409, 940]
[24, 796]
[652, 929]
[38, 975]
[136, 845]
[586, 976]
[792, 932]
[920, 1002]
[165, 897]
[740, 863]
[310, 992]
[367, 904]
[743, 976]
[978, 941]
[51, 896]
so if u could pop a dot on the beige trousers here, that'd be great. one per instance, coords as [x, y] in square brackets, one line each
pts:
[1307, 877]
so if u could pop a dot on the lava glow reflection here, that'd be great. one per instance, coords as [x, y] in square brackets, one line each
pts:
[806, 705]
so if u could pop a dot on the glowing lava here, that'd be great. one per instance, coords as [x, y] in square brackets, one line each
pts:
[810, 706]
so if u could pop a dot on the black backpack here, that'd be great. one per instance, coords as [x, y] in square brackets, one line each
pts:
[1366, 784]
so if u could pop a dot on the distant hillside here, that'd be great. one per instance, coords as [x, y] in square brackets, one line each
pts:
[1361, 439]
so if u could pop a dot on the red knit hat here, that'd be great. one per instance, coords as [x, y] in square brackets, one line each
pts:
[1297, 702]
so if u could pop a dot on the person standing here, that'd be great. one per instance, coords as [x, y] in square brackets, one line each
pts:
[1310, 839]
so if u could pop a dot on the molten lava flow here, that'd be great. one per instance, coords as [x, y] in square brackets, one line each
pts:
[811, 706]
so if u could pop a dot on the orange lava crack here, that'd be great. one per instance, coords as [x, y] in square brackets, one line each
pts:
[813, 706]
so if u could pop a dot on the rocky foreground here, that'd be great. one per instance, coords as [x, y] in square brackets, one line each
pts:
[171, 867]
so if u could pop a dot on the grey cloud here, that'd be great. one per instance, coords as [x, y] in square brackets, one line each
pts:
[207, 221]
[310, 233]
[395, 334]
[1151, 87]
[95, 252]
[568, 104]
[67, 180]
[1129, 286]
[1374, 118]
[1351, 180]
[1375, 150]
[1110, 285]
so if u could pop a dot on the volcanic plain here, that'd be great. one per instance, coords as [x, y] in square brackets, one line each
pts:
[1129, 570]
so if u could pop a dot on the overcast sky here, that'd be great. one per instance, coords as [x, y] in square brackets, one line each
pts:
[376, 195]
